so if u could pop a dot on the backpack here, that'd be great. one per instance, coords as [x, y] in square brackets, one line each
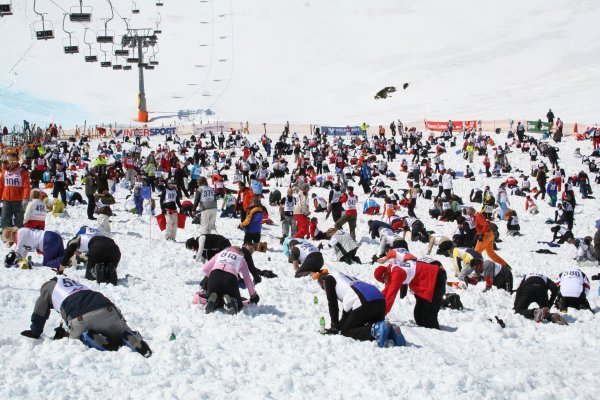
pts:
[275, 197]
[452, 301]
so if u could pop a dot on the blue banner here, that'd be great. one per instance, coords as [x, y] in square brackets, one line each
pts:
[341, 130]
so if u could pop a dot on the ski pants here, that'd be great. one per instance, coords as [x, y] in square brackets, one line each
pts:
[53, 249]
[10, 210]
[426, 312]
[504, 280]
[222, 283]
[530, 293]
[288, 225]
[302, 223]
[312, 263]
[336, 211]
[357, 323]
[107, 320]
[578, 303]
[91, 206]
[351, 220]
[171, 230]
[487, 245]
[101, 250]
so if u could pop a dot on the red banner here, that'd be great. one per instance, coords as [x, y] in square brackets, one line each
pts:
[456, 125]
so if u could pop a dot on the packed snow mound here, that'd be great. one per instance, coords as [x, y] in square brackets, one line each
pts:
[314, 61]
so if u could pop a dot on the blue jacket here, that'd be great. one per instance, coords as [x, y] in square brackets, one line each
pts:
[365, 172]
[253, 221]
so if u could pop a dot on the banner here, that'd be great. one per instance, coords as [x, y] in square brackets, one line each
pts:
[144, 131]
[538, 126]
[341, 130]
[215, 128]
[443, 125]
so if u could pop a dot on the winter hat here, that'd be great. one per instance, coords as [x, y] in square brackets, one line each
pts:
[598, 224]
[380, 273]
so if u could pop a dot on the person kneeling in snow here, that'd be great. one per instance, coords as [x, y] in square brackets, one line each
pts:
[363, 314]
[89, 316]
[493, 273]
[574, 288]
[425, 277]
[102, 253]
[534, 289]
[306, 258]
[345, 247]
[223, 288]
[48, 243]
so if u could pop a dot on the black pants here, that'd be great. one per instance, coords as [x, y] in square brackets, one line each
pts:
[91, 206]
[426, 312]
[60, 188]
[252, 238]
[213, 245]
[357, 323]
[312, 263]
[530, 293]
[76, 198]
[578, 303]
[336, 211]
[504, 280]
[103, 250]
[569, 217]
[222, 283]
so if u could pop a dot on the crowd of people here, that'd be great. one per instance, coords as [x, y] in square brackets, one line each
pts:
[298, 183]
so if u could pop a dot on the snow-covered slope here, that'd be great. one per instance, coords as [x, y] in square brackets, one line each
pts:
[273, 350]
[317, 61]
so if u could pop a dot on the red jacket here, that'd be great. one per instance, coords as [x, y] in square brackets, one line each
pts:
[422, 284]
[482, 226]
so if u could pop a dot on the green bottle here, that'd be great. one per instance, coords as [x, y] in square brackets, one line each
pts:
[172, 337]
[322, 325]
[316, 300]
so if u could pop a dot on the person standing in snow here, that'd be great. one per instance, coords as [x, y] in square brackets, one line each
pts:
[205, 204]
[88, 315]
[169, 204]
[350, 214]
[14, 192]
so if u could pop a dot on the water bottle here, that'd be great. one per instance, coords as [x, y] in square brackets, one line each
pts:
[322, 325]
[316, 300]
[172, 336]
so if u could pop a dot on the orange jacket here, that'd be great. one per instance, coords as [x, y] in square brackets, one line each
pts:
[481, 224]
[14, 185]
[245, 197]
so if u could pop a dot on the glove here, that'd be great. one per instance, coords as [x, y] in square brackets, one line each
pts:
[254, 299]
[257, 279]
[479, 238]
[30, 334]
[487, 288]
[332, 331]
[320, 246]
[374, 258]
[266, 273]
[60, 333]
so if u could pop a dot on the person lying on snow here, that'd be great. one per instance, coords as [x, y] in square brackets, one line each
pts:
[363, 313]
[88, 315]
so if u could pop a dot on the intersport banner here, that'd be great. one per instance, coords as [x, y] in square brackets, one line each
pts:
[443, 125]
[143, 131]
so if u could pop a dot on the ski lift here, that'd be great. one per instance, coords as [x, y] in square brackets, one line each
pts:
[43, 28]
[5, 7]
[158, 31]
[116, 67]
[105, 63]
[70, 45]
[153, 62]
[91, 56]
[126, 67]
[107, 36]
[148, 67]
[134, 8]
[159, 4]
[122, 52]
[133, 60]
[81, 13]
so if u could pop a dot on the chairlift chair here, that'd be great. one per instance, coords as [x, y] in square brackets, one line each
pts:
[5, 8]
[70, 45]
[134, 8]
[148, 67]
[133, 60]
[153, 62]
[126, 67]
[91, 56]
[116, 67]
[159, 4]
[105, 63]
[43, 30]
[81, 13]
[122, 52]
[107, 36]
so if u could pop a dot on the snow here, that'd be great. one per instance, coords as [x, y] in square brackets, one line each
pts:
[273, 350]
[317, 62]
